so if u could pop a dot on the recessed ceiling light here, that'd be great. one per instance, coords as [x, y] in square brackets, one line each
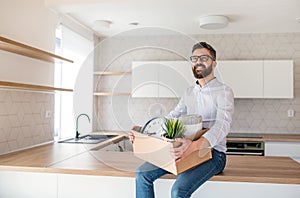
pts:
[298, 20]
[134, 23]
[102, 24]
[212, 22]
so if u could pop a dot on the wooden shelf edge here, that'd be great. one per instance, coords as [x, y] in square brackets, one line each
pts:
[111, 73]
[111, 94]
[26, 50]
[23, 86]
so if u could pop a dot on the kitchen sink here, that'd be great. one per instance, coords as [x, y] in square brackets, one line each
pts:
[88, 139]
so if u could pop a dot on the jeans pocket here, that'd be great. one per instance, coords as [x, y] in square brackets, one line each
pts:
[221, 161]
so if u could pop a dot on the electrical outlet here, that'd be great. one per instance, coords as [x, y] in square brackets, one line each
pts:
[291, 113]
[48, 114]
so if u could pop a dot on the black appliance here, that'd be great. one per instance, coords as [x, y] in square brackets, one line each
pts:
[248, 146]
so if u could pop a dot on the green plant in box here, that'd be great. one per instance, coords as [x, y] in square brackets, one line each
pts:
[174, 128]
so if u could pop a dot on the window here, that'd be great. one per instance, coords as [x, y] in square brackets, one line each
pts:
[74, 76]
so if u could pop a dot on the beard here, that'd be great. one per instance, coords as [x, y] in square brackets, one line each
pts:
[203, 73]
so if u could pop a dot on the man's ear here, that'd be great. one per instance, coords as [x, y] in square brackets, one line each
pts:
[214, 64]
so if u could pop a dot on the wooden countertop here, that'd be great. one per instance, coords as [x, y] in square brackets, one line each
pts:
[270, 138]
[80, 159]
[281, 138]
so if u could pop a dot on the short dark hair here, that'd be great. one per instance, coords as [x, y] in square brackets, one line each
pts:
[207, 46]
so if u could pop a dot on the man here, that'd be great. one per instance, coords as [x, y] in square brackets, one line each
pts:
[214, 102]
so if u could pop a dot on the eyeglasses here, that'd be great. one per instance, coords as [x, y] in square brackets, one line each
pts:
[203, 58]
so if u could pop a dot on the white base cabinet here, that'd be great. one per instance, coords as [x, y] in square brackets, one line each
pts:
[215, 189]
[83, 186]
[287, 149]
[47, 185]
[27, 185]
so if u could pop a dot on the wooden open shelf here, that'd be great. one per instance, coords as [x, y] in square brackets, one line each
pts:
[23, 86]
[111, 94]
[111, 73]
[26, 50]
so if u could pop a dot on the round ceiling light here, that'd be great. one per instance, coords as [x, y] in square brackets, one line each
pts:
[212, 22]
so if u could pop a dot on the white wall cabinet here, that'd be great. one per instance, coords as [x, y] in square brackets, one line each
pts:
[278, 79]
[248, 79]
[258, 79]
[164, 79]
[174, 78]
[244, 77]
[145, 79]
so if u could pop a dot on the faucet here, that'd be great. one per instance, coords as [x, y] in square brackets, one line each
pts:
[77, 133]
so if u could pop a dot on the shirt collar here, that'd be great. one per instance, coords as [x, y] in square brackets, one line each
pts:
[208, 83]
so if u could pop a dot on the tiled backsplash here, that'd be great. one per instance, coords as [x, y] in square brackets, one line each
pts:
[251, 115]
[23, 122]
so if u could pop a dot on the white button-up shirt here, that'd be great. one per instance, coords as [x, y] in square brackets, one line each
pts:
[214, 102]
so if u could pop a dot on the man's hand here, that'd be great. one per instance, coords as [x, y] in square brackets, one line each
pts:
[193, 146]
[136, 128]
[131, 135]
[178, 151]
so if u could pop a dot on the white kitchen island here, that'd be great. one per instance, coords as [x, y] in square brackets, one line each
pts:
[60, 170]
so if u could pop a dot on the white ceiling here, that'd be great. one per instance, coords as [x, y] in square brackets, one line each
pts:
[255, 16]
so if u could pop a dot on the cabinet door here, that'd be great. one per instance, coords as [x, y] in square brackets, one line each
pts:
[174, 78]
[145, 79]
[28, 184]
[289, 149]
[244, 77]
[278, 79]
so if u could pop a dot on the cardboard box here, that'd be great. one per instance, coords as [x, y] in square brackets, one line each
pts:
[157, 152]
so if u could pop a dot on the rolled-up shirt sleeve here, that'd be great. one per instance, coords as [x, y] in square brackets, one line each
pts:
[225, 107]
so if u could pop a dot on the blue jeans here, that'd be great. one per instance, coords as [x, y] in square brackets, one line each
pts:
[186, 182]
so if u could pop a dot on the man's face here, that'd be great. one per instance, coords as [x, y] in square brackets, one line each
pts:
[204, 64]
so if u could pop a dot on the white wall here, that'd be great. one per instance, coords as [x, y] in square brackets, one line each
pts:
[31, 23]
[22, 113]
[22, 117]
[251, 115]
